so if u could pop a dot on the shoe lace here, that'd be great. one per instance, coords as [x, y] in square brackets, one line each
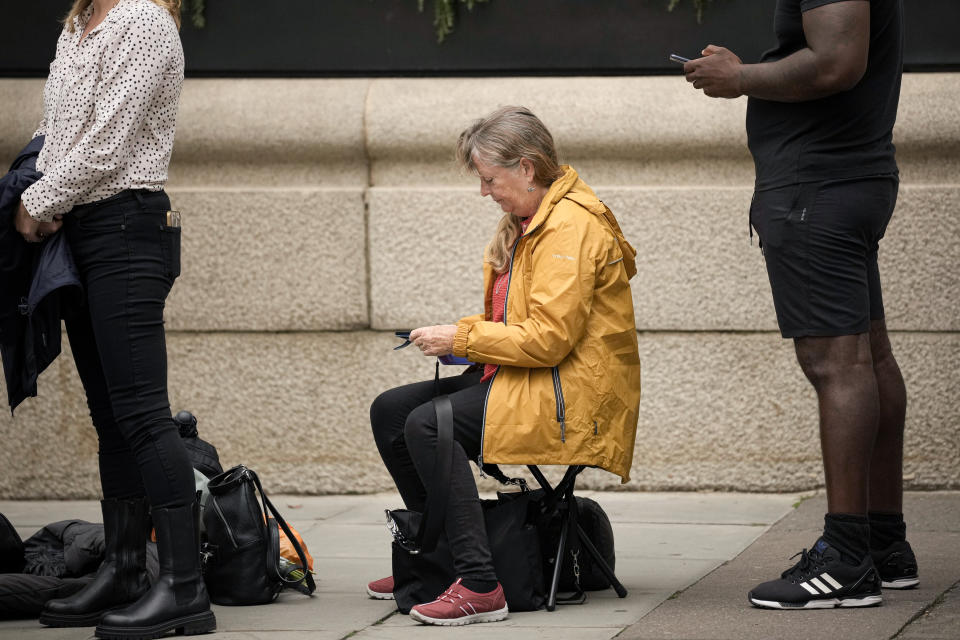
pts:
[450, 594]
[810, 562]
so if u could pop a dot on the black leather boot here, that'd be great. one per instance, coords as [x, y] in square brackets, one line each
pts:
[122, 576]
[178, 600]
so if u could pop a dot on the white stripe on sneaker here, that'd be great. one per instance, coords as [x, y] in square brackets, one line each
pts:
[829, 578]
[820, 585]
[810, 589]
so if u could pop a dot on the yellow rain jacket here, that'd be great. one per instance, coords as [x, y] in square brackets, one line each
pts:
[568, 387]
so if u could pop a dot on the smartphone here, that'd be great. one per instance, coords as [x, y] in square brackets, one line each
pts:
[675, 58]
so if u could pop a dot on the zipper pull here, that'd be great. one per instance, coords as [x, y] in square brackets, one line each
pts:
[563, 430]
[594, 427]
[480, 465]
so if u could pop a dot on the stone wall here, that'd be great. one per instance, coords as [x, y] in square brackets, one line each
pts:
[320, 215]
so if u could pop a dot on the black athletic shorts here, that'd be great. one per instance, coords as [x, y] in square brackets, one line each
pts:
[820, 241]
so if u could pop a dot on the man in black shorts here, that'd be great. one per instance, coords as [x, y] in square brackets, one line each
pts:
[820, 118]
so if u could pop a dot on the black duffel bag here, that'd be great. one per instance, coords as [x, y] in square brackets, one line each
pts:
[422, 564]
[514, 542]
[241, 557]
[579, 571]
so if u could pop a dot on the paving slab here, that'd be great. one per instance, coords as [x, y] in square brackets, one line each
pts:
[940, 622]
[338, 614]
[484, 632]
[365, 509]
[664, 543]
[36, 514]
[716, 607]
[693, 508]
[701, 541]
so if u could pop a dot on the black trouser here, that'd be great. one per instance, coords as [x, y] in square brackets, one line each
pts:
[128, 259]
[405, 429]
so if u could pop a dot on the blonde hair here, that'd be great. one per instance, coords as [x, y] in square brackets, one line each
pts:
[79, 6]
[503, 139]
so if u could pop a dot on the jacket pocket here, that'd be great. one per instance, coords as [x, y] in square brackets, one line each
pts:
[561, 407]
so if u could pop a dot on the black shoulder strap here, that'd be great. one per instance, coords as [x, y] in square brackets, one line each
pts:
[433, 516]
[273, 546]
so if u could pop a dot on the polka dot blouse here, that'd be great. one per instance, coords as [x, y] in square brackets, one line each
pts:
[109, 109]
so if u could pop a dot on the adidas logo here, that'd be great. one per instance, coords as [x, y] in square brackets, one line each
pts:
[816, 586]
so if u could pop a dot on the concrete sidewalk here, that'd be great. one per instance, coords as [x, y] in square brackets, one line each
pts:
[715, 608]
[686, 559]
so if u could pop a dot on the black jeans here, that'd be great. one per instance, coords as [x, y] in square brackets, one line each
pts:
[405, 429]
[128, 259]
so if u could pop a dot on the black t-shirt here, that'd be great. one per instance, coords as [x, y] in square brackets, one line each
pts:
[846, 135]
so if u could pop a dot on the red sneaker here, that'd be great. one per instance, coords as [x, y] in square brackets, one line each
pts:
[458, 605]
[381, 589]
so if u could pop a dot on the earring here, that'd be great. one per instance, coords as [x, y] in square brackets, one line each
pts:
[530, 188]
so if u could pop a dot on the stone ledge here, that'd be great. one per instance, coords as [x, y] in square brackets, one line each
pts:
[719, 411]
[238, 131]
[275, 260]
[327, 131]
[621, 130]
[697, 270]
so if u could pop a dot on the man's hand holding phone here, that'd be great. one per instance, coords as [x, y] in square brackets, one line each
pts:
[717, 73]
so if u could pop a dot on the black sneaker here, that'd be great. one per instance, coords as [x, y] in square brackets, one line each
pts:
[897, 566]
[821, 580]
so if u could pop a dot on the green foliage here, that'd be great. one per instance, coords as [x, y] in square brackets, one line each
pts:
[444, 14]
[194, 8]
[699, 5]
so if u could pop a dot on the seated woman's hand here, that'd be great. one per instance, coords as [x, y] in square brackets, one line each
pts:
[436, 340]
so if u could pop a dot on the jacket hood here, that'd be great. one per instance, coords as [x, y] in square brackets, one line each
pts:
[569, 186]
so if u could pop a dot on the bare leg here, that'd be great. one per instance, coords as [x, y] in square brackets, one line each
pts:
[886, 466]
[841, 371]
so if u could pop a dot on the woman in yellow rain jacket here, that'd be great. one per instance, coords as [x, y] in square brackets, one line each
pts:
[561, 377]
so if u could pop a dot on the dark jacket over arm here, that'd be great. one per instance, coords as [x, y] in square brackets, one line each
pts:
[33, 281]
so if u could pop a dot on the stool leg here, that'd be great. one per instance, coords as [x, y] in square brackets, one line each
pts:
[557, 564]
[607, 571]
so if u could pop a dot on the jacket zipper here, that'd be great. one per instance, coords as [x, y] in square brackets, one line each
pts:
[506, 296]
[561, 407]
[226, 524]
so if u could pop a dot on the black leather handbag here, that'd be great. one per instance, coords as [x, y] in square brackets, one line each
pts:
[422, 564]
[242, 553]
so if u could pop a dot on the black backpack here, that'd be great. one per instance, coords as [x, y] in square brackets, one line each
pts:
[241, 557]
[203, 455]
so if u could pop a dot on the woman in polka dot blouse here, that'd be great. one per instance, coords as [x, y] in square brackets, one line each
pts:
[109, 114]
